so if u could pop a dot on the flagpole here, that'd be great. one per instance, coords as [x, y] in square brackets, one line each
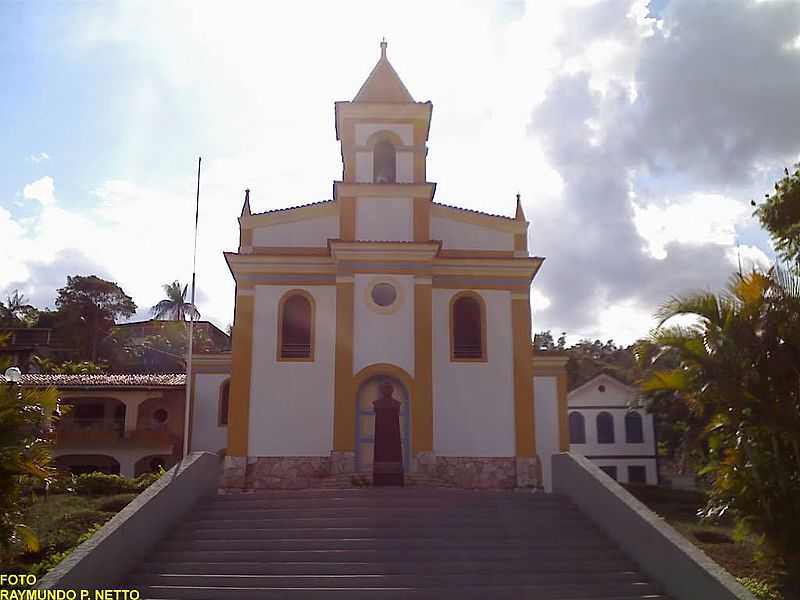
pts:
[188, 385]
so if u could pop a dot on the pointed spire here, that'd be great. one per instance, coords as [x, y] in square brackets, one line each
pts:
[246, 207]
[520, 214]
[383, 83]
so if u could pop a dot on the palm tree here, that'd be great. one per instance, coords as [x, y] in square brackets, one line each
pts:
[738, 374]
[175, 307]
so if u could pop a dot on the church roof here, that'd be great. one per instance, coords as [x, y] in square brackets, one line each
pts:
[477, 212]
[277, 210]
[82, 380]
[383, 84]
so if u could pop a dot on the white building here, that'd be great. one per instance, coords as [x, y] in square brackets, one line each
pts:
[605, 427]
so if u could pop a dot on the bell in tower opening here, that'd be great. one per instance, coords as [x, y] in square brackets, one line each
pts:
[384, 163]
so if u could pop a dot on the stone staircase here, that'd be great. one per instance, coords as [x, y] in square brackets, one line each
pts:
[389, 543]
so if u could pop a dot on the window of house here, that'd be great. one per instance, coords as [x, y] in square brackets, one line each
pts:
[577, 428]
[637, 474]
[384, 163]
[468, 328]
[296, 327]
[605, 428]
[610, 471]
[224, 402]
[634, 433]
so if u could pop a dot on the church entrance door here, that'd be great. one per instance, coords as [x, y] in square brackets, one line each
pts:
[366, 430]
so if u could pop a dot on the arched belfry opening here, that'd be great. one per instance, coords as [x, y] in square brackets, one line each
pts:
[384, 163]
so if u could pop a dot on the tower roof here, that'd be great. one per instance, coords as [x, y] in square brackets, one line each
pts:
[383, 84]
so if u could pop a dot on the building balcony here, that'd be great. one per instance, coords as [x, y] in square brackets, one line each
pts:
[79, 433]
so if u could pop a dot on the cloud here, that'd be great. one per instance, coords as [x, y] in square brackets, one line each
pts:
[42, 190]
[636, 141]
[660, 147]
[39, 157]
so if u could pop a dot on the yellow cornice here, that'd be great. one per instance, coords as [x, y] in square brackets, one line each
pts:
[522, 268]
[413, 252]
[289, 215]
[366, 111]
[343, 189]
[243, 264]
[475, 218]
[546, 362]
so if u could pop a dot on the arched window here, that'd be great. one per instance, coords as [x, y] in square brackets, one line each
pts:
[224, 402]
[577, 428]
[468, 328]
[384, 163]
[634, 433]
[605, 428]
[296, 327]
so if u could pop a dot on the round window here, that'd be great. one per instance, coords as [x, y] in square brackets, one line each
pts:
[384, 294]
[160, 416]
[601, 388]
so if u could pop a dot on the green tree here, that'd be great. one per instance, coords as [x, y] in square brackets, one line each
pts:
[26, 415]
[175, 307]
[780, 215]
[738, 373]
[88, 307]
[17, 312]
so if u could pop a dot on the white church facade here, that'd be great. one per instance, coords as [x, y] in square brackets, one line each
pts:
[381, 284]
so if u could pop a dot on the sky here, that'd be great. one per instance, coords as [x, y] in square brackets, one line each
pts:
[636, 132]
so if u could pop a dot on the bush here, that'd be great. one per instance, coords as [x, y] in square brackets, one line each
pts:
[114, 504]
[103, 484]
[760, 589]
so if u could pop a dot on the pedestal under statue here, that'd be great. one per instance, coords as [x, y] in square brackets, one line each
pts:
[387, 467]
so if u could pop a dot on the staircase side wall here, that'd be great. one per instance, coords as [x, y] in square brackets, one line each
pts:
[683, 570]
[131, 534]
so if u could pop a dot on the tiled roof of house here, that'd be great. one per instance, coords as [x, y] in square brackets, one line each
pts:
[146, 380]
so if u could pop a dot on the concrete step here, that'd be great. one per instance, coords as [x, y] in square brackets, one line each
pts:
[322, 517]
[457, 552]
[571, 549]
[631, 591]
[370, 503]
[391, 493]
[543, 566]
[384, 581]
[332, 529]
[255, 510]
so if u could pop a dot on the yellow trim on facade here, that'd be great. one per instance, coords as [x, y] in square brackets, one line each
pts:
[520, 242]
[422, 409]
[279, 332]
[344, 401]
[422, 220]
[524, 413]
[347, 218]
[241, 371]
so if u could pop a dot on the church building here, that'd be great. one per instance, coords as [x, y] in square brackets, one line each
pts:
[381, 285]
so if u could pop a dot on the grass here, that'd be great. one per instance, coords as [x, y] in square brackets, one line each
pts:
[59, 521]
[741, 558]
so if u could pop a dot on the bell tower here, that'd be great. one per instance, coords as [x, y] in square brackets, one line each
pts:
[383, 133]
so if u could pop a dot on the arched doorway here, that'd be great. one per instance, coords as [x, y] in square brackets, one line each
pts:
[368, 392]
